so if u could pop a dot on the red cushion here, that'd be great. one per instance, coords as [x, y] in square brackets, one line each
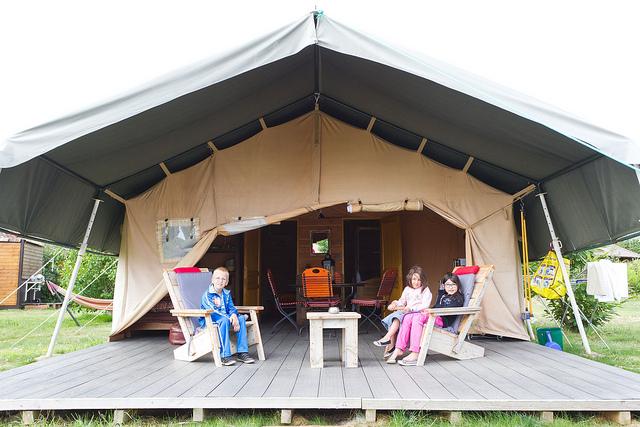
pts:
[187, 270]
[470, 269]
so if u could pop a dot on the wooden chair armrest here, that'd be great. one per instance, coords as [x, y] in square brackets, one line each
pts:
[248, 308]
[191, 312]
[453, 311]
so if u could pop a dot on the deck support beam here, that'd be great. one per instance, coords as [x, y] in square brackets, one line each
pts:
[546, 416]
[619, 417]
[286, 415]
[28, 417]
[454, 417]
[370, 415]
[198, 415]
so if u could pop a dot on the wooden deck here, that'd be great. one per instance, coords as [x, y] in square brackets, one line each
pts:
[141, 373]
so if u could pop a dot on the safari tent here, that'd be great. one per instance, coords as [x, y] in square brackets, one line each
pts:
[310, 116]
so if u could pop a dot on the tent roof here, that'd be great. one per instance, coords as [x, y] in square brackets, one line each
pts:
[514, 140]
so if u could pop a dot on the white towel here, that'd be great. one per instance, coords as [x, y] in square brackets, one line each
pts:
[607, 281]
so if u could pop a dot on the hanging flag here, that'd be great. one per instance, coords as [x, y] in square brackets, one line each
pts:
[547, 281]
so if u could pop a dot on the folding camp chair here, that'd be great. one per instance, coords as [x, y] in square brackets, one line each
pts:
[453, 342]
[378, 303]
[186, 290]
[286, 305]
[317, 289]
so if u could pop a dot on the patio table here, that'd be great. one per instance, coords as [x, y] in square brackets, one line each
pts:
[348, 322]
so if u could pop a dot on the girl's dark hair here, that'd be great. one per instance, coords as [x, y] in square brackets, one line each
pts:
[454, 278]
[416, 269]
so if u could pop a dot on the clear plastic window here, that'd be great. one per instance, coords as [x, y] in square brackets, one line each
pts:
[176, 237]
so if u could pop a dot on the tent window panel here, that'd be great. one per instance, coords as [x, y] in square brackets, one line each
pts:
[176, 237]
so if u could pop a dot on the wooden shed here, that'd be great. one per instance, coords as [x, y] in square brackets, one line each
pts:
[19, 259]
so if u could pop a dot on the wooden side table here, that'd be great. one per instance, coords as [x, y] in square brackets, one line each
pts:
[348, 322]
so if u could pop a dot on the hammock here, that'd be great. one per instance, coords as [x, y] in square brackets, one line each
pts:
[95, 303]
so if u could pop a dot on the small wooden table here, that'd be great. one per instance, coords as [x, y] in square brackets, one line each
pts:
[348, 322]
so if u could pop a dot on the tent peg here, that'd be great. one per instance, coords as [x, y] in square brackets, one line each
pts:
[262, 123]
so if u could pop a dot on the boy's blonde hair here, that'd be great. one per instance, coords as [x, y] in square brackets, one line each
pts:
[222, 270]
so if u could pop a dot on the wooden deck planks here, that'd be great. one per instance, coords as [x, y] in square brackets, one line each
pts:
[234, 382]
[614, 375]
[66, 376]
[379, 382]
[144, 369]
[285, 379]
[577, 377]
[331, 381]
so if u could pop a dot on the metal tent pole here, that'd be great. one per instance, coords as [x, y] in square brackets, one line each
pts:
[565, 274]
[74, 276]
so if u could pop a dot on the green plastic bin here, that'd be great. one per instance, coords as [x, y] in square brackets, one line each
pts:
[556, 336]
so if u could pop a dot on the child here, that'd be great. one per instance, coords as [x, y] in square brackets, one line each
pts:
[225, 314]
[412, 325]
[415, 297]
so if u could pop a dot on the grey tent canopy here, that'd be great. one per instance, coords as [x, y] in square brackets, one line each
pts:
[50, 174]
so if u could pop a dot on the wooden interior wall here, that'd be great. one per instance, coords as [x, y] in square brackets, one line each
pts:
[9, 271]
[311, 222]
[430, 242]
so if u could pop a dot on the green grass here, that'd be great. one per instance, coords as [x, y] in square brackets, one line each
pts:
[15, 324]
[622, 334]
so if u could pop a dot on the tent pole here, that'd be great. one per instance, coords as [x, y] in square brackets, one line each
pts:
[74, 276]
[565, 274]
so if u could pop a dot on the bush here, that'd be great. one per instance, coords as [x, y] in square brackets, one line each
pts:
[597, 312]
[59, 272]
[633, 271]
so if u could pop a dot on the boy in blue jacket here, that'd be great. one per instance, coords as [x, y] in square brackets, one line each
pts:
[225, 314]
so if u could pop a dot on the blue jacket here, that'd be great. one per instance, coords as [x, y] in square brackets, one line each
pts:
[222, 305]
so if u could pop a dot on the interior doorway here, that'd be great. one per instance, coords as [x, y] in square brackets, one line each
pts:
[278, 252]
[362, 253]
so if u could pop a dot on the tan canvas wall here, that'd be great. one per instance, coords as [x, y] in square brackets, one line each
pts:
[290, 169]
[430, 242]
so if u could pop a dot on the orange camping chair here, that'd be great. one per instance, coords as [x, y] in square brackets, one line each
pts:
[317, 289]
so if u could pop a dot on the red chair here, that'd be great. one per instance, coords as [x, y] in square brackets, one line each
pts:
[317, 289]
[378, 303]
[286, 304]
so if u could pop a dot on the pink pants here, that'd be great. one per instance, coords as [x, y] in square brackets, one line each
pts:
[411, 331]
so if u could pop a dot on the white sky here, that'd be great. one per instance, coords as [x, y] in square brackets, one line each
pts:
[60, 57]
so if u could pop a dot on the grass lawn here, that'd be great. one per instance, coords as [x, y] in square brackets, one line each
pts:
[622, 334]
[15, 324]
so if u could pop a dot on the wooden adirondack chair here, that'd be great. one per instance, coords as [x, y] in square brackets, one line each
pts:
[449, 343]
[187, 309]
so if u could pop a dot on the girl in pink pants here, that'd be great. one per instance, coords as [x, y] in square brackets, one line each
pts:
[410, 333]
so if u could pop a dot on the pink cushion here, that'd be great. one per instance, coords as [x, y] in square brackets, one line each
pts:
[179, 270]
[470, 269]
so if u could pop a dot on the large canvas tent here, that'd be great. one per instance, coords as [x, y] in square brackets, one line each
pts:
[391, 128]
